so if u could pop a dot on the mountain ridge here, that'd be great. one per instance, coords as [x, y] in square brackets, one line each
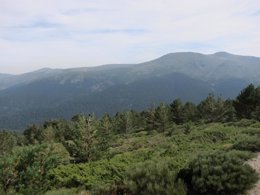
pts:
[219, 53]
[60, 93]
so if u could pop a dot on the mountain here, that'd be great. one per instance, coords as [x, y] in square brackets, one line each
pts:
[61, 93]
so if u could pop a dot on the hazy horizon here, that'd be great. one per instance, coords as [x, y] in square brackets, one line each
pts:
[60, 68]
[67, 34]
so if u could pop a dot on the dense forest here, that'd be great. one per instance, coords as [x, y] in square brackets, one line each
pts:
[171, 149]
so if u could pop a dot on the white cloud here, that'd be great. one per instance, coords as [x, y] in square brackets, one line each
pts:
[72, 33]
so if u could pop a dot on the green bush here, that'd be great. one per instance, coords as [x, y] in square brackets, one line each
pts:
[64, 191]
[25, 169]
[209, 136]
[249, 144]
[9, 140]
[252, 131]
[154, 178]
[219, 174]
[98, 175]
[242, 155]
[245, 123]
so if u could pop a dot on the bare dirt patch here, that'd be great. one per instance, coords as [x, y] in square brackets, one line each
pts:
[255, 164]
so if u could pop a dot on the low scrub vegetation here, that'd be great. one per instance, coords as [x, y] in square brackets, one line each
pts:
[228, 176]
[171, 149]
[155, 177]
[249, 143]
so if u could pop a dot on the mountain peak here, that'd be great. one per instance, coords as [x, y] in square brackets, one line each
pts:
[43, 70]
[61, 93]
[222, 54]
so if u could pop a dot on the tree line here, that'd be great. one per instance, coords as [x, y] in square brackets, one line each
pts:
[83, 135]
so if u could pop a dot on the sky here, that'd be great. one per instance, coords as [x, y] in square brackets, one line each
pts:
[36, 34]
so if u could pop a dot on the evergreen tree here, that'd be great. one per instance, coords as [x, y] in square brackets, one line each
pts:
[150, 119]
[55, 130]
[81, 138]
[247, 102]
[120, 123]
[104, 132]
[256, 113]
[190, 112]
[8, 140]
[33, 134]
[176, 108]
[215, 109]
[162, 117]
[106, 124]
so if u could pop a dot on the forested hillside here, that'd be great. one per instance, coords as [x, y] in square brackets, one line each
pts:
[172, 149]
[62, 93]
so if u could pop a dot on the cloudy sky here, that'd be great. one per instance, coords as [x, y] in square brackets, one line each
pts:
[75, 33]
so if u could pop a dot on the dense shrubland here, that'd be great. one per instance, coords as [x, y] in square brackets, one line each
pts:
[219, 174]
[181, 148]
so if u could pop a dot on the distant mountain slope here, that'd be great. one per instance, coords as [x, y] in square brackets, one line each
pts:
[213, 67]
[61, 93]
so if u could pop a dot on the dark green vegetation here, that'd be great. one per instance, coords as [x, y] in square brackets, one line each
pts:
[180, 148]
[54, 93]
[219, 173]
[26, 168]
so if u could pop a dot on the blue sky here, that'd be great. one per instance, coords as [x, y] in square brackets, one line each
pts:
[75, 33]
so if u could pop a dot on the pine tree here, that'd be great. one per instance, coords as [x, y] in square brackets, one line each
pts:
[162, 117]
[247, 101]
[215, 109]
[176, 108]
[81, 138]
[190, 112]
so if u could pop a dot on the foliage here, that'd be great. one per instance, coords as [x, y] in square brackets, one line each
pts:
[96, 175]
[32, 134]
[176, 110]
[26, 168]
[247, 102]
[150, 119]
[252, 131]
[9, 140]
[190, 112]
[250, 144]
[256, 112]
[219, 173]
[154, 177]
[183, 113]
[243, 123]
[162, 117]
[215, 110]
[64, 191]
[134, 152]
[210, 136]
[82, 138]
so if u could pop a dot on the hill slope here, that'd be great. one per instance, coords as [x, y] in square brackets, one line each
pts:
[61, 93]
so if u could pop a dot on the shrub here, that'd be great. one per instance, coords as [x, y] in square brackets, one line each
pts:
[245, 123]
[154, 178]
[209, 136]
[25, 169]
[252, 131]
[98, 175]
[9, 140]
[64, 191]
[250, 144]
[242, 155]
[219, 174]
